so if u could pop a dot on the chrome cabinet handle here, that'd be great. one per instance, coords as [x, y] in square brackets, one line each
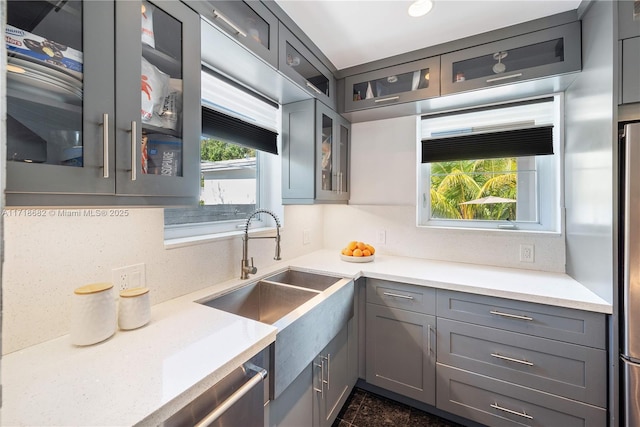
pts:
[510, 359]
[511, 316]
[218, 15]
[237, 395]
[391, 98]
[511, 76]
[314, 88]
[105, 145]
[328, 381]
[390, 294]
[429, 340]
[134, 151]
[511, 411]
[321, 366]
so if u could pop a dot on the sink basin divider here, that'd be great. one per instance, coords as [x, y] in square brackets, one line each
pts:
[286, 285]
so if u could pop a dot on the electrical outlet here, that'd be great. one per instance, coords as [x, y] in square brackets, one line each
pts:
[382, 237]
[132, 276]
[306, 237]
[527, 253]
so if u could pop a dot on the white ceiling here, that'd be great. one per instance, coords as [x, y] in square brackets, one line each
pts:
[353, 32]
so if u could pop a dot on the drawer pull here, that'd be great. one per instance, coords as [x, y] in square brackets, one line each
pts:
[314, 88]
[218, 15]
[511, 316]
[391, 98]
[497, 79]
[511, 411]
[389, 294]
[511, 359]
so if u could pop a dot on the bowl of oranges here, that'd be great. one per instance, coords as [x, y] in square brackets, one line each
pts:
[358, 252]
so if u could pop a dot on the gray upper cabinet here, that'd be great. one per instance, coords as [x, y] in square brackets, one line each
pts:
[315, 154]
[248, 22]
[70, 143]
[544, 53]
[628, 19]
[298, 63]
[630, 81]
[400, 83]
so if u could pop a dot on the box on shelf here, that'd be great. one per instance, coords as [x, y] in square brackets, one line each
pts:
[164, 155]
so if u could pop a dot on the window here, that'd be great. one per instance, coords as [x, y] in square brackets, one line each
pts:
[239, 170]
[496, 167]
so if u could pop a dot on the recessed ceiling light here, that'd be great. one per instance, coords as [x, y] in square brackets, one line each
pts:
[420, 8]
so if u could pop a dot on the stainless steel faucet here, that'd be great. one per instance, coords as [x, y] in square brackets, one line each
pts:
[250, 269]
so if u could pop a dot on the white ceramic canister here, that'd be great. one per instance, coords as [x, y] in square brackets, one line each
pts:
[135, 308]
[93, 314]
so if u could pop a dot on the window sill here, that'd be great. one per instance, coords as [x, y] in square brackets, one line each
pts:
[182, 242]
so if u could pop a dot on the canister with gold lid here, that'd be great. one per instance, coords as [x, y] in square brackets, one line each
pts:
[93, 314]
[134, 308]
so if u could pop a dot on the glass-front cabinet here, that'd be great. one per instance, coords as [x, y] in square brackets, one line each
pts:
[298, 63]
[78, 133]
[332, 155]
[400, 83]
[248, 22]
[549, 52]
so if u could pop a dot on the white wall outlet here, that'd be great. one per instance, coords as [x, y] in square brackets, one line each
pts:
[527, 253]
[382, 237]
[132, 276]
[306, 237]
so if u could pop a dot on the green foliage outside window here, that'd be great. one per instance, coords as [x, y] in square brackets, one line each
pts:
[213, 150]
[456, 182]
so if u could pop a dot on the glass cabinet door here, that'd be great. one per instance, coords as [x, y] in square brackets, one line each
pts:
[534, 55]
[628, 19]
[344, 129]
[332, 155]
[299, 63]
[249, 22]
[327, 154]
[401, 83]
[58, 112]
[153, 131]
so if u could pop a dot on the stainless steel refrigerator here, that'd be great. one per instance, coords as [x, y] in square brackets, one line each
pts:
[629, 309]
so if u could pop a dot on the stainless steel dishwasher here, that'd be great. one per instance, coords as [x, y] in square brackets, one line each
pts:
[236, 400]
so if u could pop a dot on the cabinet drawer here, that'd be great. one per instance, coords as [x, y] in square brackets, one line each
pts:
[498, 403]
[562, 324]
[569, 370]
[401, 295]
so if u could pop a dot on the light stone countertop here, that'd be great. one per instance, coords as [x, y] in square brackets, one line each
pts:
[146, 375]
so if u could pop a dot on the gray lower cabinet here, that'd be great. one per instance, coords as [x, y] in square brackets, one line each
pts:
[86, 132]
[630, 83]
[400, 339]
[544, 53]
[315, 154]
[503, 362]
[500, 403]
[316, 396]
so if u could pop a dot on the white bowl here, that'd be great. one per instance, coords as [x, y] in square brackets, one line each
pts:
[357, 258]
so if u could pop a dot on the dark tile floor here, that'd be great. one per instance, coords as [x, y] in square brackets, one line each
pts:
[364, 409]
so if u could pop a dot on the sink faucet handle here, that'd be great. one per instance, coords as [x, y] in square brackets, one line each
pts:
[252, 269]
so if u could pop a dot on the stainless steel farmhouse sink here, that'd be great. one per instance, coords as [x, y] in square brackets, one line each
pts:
[307, 309]
[263, 301]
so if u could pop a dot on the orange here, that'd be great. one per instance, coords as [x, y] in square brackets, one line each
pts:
[357, 252]
[352, 245]
[362, 246]
[347, 252]
[366, 252]
[371, 249]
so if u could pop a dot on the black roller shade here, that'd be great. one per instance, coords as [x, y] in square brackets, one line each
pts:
[233, 130]
[535, 141]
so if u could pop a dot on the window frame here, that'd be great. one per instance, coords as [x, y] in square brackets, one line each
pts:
[549, 184]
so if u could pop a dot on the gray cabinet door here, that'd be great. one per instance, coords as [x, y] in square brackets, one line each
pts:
[332, 151]
[250, 23]
[298, 145]
[400, 352]
[331, 378]
[549, 52]
[631, 70]
[42, 116]
[628, 19]
[501, 404]
[400, 83]
[569, 370]
[298, 63]
[401, 295]
[176, 55]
